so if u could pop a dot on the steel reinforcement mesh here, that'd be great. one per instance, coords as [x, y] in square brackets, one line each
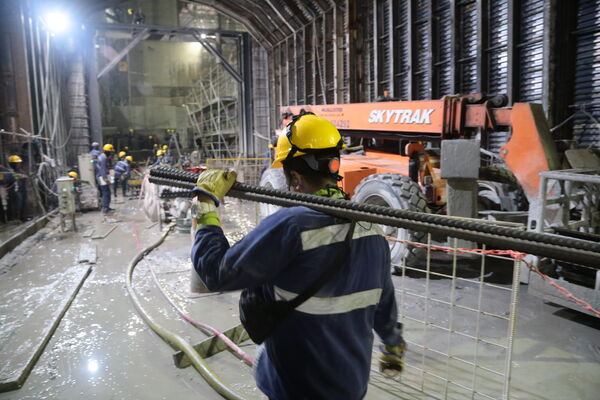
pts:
[459, 326]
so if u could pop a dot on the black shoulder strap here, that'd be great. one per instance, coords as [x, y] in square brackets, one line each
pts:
[336, 265]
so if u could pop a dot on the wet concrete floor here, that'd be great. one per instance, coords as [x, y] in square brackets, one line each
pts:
[102, 348]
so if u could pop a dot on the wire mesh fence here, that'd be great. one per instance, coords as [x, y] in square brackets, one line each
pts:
[458, 325]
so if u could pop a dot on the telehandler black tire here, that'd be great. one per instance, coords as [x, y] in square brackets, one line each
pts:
[397, 191]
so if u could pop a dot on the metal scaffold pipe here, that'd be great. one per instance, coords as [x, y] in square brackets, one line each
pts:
[540, 244]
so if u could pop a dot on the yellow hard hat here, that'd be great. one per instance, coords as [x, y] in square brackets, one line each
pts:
[129, 158]
[307, 133]
[73, 174]
[108, 147]
[122, 154]
[159, 152]
[165, 147]
[14, 159]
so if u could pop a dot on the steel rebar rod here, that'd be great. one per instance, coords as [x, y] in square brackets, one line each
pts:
[541, 244]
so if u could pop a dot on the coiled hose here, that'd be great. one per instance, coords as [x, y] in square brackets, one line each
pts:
[171, 338]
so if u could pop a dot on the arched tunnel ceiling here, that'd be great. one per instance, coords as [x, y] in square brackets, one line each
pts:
[271, 21]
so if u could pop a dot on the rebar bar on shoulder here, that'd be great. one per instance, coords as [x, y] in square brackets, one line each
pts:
[540, 244]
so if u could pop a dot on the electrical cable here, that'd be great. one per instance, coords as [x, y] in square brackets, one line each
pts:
[171, 338]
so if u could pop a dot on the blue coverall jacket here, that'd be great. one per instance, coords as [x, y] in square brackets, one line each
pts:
[322, 351]
[121, 169]
[102, 167]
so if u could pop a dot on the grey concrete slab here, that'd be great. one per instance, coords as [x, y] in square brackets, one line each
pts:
[19, 356]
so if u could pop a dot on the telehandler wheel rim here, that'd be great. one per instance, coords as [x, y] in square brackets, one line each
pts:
[389, 231]
[396, 191]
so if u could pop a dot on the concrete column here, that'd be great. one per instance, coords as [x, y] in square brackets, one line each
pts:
[460, 167]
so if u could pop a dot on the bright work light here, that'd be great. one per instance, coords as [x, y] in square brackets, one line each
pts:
[57, 22]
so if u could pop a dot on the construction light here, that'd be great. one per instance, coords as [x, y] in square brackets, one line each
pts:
[92, 366]
[56, 21]
[195, 47]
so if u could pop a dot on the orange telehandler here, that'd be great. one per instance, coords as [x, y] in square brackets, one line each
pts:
[398, 162]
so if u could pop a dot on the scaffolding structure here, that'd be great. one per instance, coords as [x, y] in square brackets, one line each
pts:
[213, 114]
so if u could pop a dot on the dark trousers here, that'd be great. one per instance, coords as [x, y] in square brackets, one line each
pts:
[123, 184]
[17, 200]
[105, 194]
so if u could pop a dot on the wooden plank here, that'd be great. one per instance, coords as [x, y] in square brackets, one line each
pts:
[212, 346]
[104, 235]
[16, 366]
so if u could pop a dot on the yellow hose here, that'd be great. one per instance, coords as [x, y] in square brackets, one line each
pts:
[172, 338]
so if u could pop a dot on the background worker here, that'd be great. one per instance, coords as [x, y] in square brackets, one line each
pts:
[322, 349]
[159, 158]
[102, 176]
[95, 151]
[166, 158]
[122, 173]
[17, 193]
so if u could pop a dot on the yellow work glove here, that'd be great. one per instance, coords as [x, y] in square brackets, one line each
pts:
[391, 361]
[215, 184]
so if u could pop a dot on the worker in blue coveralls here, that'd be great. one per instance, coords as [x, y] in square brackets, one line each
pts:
[95, 152]
[159, 158]
[102, 176]
[166, 158]
[322, 349]
[122, 172]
